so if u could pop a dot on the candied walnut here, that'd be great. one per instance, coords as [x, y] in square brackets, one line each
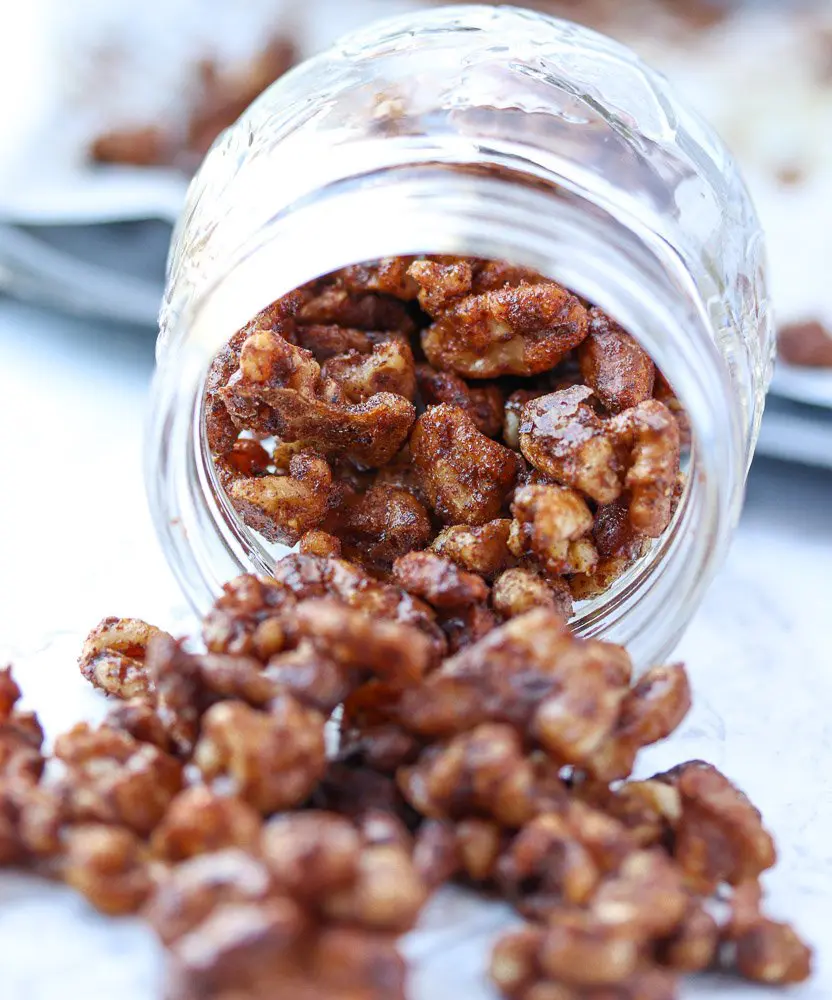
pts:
[311, 854]
[693, 945]
[279, 390]
[481, 549]
[21, 736]
[807, 344]
[646, 983]
[440, 283]
[772, 953]
[247, 458]
[112, 778]
[465, 475]
[585, 586]
[320, 543]
[761, 949]
[583, 556]
[220, 430]
[10, 693]
[199, 821]
[483, 404]
[646, 897]
[395, 652]
[283, 508]
[266, 950]
[514, 968]
[518, 330]
[481, 773]
[520, 590]
[389, 367]
[493, 274]
[745, 908]
[303, 577]
[106, 864]
[138, 717]
[401, 473]
[240, 949]
[664, 393]
[577, 719]
[43, 812]
[354, 964]
[32, 821]
[362, 311]
[533, 673]
[478, 845]
[436, 853]
[578, 949]
[178, 691]
[382, 524]
[191, 890]
[382, 827]
[385, 894]
[613, 533]
[608, 841]
[647, 808]
[308, 576]
[719, 836]
[283, 453]
[315, 679]
[549, 521]
[387, 275]
[439, 581]
[613, 364]
[113, 656]
[279, 315]
[246, 618]
[238, 677]
[12, 850]
[546, 866]
[650, 712]
[563, 437]
[330, 341]
[651, 436]
[273, 760]
[656, 705]
[512, 414]
[465, 626]
[501, 678]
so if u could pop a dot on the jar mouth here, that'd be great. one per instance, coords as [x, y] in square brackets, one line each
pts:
[496, 212]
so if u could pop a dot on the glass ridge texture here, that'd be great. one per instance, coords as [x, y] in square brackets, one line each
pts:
[494, 132]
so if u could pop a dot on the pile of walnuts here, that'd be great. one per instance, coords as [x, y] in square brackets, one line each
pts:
[460, 449]
[455, 406]
[276, 860]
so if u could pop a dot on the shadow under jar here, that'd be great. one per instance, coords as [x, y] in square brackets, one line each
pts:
[494, 133]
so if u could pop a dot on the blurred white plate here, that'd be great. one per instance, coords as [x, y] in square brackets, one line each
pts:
[803, 385]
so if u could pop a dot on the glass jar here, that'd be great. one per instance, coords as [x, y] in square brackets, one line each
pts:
[493, 132]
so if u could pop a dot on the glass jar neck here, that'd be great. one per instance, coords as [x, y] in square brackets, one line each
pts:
[613, 259]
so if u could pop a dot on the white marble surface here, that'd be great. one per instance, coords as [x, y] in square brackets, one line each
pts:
[76, 544]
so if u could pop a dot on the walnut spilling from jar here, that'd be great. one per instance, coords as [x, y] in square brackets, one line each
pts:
[113, 657]
[268, 867]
